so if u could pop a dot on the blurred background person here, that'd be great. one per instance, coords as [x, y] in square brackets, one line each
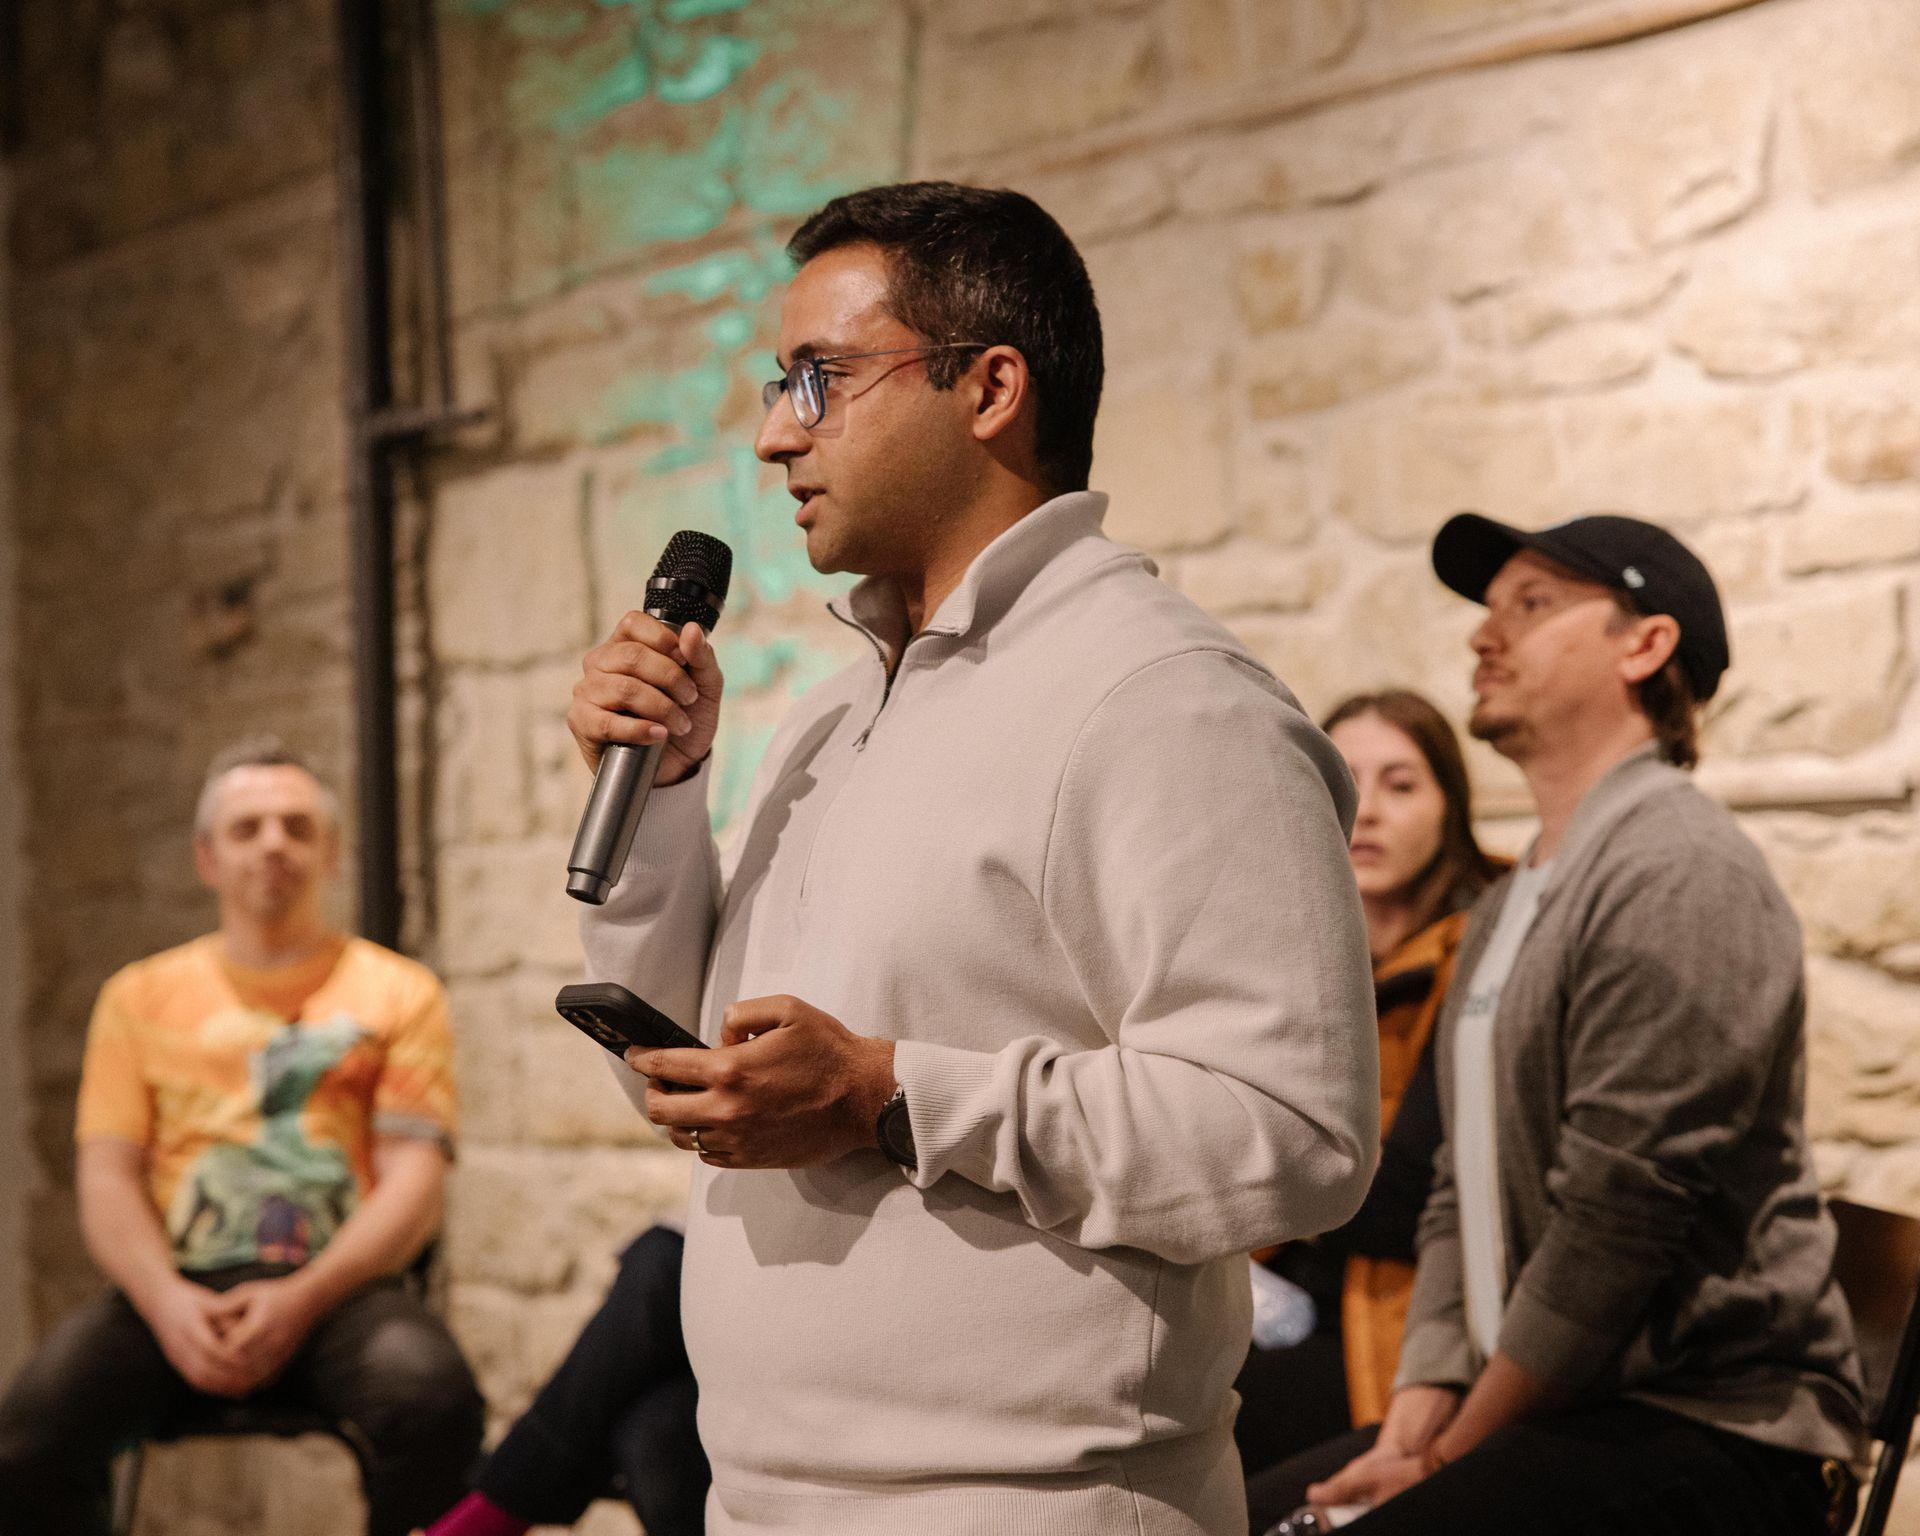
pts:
[265, 1121]
[1419, 867]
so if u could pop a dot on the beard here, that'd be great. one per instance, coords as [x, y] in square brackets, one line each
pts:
[1506, 734]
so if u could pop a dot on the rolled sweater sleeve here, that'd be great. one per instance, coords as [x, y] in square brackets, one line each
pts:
[1197, 885]
[655, 930]
[1685, 989]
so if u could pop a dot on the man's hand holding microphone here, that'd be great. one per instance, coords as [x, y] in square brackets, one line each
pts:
[649, 684]
[788, 1086]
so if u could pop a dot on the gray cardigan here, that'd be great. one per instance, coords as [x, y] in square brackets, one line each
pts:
[1666, 1239]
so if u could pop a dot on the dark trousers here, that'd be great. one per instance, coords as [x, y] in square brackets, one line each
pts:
[100, 1384]
[622, 1402]
[1615, 1469]
[1290, 1400]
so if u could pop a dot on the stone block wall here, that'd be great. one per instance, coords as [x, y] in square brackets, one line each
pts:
[1362, 263]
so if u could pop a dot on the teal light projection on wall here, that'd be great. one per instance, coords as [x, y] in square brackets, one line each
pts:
[693, 136]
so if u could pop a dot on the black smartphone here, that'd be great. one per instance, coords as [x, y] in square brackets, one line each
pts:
[617, 1019]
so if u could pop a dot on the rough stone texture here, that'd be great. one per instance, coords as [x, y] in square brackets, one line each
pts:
[1402, 471]
[1853, 100]
[1679, 459]
[1873, 440]
[1160, 501]
[1330, 365]
[1810, 295]
[507, 582]
[1058, 77]
[1671, 275]
[1775, 701]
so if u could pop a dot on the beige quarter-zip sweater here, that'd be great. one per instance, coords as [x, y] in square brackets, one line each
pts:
[1085, 860]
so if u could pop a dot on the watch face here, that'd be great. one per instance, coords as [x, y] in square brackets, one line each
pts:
[896, 1133]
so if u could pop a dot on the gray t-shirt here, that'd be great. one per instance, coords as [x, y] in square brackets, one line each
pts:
[1476, 1151]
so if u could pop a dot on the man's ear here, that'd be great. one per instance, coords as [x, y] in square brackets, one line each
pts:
[1651, 644]
[203, 858]
[1003, 388]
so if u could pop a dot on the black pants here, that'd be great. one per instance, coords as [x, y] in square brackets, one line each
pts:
[1616, 1469]
[1290, 1401]
[622, 1402]
[100, 1384]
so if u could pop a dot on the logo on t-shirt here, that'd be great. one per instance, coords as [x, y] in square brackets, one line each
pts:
[278, 1198]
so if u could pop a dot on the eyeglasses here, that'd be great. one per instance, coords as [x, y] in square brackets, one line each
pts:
[806, 385]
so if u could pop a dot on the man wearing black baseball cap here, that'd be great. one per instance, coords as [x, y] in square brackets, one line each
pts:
[1646, 570]
[1624, 1316]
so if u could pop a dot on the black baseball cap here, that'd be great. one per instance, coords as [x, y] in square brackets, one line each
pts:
[1648, 566]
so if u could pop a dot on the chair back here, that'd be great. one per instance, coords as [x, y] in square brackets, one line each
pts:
[1877, 1262]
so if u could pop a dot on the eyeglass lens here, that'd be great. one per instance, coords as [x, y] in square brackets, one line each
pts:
[802, 385]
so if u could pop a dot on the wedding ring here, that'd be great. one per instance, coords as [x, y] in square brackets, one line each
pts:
[695, 1137]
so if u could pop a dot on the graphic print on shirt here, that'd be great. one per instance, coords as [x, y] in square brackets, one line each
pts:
[279, 1198]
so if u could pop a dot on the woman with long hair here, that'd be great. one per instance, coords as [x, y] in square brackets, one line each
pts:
[1333, 1309]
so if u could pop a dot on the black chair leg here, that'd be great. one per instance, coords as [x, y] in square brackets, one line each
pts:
[1886, 1478]
[1893, 1426]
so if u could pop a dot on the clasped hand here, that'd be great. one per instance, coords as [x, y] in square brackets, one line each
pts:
[1398, 1459]
[229, 1343]
[787, 1087]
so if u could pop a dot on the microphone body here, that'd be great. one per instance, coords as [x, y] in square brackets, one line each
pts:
[612, 817]
[689, 585]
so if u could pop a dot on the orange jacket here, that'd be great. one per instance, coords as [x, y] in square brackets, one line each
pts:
[1375, 1292]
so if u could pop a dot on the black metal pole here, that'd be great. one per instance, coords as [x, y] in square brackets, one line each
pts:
[369, 386]
[430, 196]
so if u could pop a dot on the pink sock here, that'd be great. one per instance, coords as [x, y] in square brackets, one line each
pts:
[476, 1515]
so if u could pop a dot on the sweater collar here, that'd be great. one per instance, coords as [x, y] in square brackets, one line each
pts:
[998, 574]
[1639, 774]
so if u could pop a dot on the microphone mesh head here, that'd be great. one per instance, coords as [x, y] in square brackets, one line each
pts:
[692, 557]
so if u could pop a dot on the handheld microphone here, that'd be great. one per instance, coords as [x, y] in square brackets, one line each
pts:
[689, 585]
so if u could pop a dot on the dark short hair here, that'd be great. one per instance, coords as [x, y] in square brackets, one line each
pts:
[988, 265]
[1460, 870]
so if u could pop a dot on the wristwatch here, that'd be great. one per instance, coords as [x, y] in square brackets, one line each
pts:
[894, 1131]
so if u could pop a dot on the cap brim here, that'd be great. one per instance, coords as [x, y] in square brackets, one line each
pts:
[1469, 550]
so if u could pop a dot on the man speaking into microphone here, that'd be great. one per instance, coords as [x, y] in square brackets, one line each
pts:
[1038, 990]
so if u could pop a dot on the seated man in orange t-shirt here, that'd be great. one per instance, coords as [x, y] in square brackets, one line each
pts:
[265, 1120]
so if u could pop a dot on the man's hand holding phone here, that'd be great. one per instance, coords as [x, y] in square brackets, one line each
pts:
[788, 1087]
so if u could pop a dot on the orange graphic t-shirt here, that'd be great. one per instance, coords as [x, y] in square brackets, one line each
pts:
[258, 1094]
